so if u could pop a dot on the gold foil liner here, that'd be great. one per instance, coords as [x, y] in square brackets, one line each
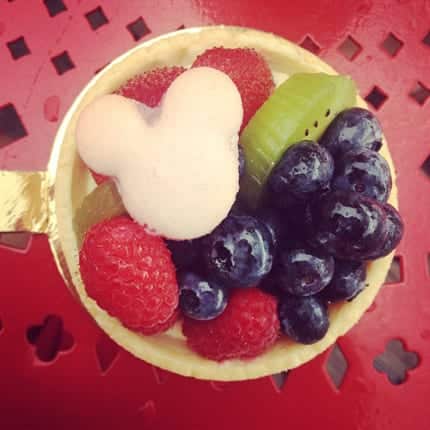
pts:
[46, 202]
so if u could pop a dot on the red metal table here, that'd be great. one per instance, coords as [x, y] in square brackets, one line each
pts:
[57, 370]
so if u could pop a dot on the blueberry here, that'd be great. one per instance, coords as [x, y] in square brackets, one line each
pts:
[239, 252]
[306, 168]
[270, 284]
[352, 129]
[185, 253]
[303, 272]
[363, 171]
[394, 228]
[200, 298]
[348, 225]
[348, 281]
[241, 162]
[273, 221]
[303, 319]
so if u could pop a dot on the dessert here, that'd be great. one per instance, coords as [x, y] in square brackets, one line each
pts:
[261, 234]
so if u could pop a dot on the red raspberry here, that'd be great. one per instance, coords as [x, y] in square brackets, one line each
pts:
[98, 177]
[150, 87]
[247, 69]
[247, 327]
[130, 274]
[162, 327]
[147, 88]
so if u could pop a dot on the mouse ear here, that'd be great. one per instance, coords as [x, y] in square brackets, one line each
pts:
[203, 97]
[106, 132]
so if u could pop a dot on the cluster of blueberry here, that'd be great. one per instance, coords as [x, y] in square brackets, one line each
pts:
[324, 214]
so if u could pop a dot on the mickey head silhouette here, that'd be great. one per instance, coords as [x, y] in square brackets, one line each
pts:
[176, 166]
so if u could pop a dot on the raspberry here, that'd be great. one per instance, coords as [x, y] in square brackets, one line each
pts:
[147, 88]
[247, 327]
[130, 274]
[247, 69]
[98, 177]
[150, 87]
[160, 328]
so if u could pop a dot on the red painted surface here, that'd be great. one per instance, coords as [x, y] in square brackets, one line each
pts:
[78, 390]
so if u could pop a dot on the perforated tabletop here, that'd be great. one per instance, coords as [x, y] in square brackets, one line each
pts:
[58, 370]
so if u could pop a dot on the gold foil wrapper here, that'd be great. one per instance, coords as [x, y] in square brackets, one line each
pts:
[24, 202]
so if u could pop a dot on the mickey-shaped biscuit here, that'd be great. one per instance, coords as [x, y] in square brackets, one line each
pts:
[175, 166]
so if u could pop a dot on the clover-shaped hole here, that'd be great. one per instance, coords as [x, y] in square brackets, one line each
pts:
[396, 361]
[138, 29]
[18, 48]
[279, 380]
[336, 366]
[350, 48]
[309, 44]
[395, 274]
[420, 93]
[106, 352]
[392, 45]
[55, 7]
[62, 63]
[50, 338]
[96, 18]
[376, 97]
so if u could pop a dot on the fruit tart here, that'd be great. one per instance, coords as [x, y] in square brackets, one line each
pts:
[234, 206]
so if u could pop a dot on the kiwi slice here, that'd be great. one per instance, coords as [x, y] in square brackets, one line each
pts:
[300, 108]
[104, 202]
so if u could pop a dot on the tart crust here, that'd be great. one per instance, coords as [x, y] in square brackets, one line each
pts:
[72, 182]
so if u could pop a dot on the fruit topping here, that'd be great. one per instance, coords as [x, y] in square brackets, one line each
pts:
[98, 178]
[363, 171]
[185, 253]
[300, 108]
[103, 203]
[303, 319]
[348, 281]
[304, 272]
[239, 252]
[149, 87]
[130, 274]
[248, 326]
[200, 298]
[352, 129]
[394, 232]
[247, 69]
[274, 222]
[349, 226]
[305, 170]
[162, 156]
